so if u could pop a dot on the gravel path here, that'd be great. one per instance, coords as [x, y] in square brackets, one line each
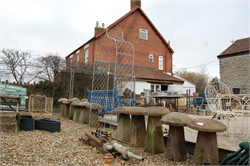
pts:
[64, 148]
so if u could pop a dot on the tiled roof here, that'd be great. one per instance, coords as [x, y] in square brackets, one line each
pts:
[155, 75]
[238, 47]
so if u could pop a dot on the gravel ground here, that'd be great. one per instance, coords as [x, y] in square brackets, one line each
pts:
[64, 148]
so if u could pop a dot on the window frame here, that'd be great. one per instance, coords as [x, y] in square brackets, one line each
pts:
[156, 86]
[151, 56]
[86, 53]
[71, 60]
[160, 62]
[77, 56]
[145, 31]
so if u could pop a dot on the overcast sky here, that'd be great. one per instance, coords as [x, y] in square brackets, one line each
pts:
[198, 30]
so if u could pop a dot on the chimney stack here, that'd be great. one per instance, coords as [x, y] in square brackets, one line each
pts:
[135, 3]
[98, 29]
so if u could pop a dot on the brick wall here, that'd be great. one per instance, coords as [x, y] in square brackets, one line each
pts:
[154, 45]
[235, 71]
[81, 56]
[130, 27]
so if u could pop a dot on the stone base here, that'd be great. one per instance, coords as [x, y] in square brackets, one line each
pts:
[154, 142]
[66, 111]
[71, 112]
[206, 148]
[84, 116]
[76, 114]
[176, 144]
[123, 129]
[62, 109]
[138, 130]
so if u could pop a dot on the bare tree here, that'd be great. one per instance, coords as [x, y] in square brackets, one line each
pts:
[17, 62]
[200, 78]
[204, 78]
[48, 67]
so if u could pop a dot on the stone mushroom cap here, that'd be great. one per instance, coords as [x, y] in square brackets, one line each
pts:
[83, 103]
[75, 103]
[176, 119]
[84, 99]
[94, 106]
[156, 111]
[129, 110]
[66, 102]
[73, 99]
[207, 125]
[61, 100]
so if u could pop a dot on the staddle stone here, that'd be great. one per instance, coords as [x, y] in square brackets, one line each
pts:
[206, 148]
[176, 145]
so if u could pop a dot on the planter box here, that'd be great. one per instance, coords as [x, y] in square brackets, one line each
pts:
[26, 122]
[47, 125]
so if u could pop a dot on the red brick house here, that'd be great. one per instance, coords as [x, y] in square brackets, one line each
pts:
[153, 54]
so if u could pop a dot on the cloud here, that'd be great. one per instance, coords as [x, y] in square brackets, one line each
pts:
[198, 30]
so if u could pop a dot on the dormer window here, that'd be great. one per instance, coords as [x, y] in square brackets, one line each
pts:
[143, 34]
[150, 58]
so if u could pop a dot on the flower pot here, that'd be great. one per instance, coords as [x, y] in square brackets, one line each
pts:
[196, 94]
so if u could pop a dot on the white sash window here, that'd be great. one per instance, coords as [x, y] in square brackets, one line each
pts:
[143, 34]
[160, 62]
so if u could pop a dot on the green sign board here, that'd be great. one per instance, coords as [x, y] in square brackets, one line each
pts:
[12, 90]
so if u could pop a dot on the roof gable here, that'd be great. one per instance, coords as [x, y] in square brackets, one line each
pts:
[239, 47]
[122, 18]
[145, 16]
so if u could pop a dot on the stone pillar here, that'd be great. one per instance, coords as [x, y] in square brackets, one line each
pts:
[138, 130]
[84, 116]
[76, 113]
[154, 142]
[123, 128]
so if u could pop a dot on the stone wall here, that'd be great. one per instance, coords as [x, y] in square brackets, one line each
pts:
[235, 72]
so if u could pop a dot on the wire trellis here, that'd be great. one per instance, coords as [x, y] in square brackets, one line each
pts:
[113, 69]
[39, 104]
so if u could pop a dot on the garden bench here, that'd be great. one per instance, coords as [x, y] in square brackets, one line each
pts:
[108, 99]
[11, 104]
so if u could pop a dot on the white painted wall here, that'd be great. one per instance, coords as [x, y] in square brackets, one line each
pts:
[190, 86]
[179, 88]
[187, 85]
[139, 86]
